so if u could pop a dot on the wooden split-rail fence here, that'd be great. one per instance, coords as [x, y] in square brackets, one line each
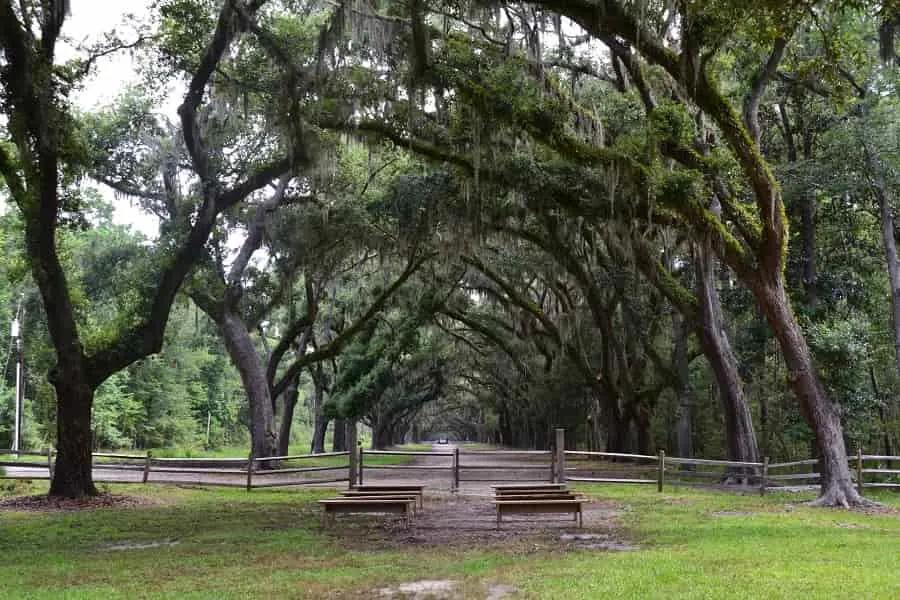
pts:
[462, 466]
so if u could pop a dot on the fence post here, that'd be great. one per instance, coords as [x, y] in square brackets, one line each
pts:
[455, 469]
[50, 464]
[560, 455]
[859, 470]
[350, 437]
[250, 472]
[361, 460]
[765, 476]
[661, 475]
[552, 463]
[147, 467]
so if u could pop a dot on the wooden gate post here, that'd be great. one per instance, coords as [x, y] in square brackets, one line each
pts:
[350, 433]
[250, 473]
[361, 461]
[560, 455]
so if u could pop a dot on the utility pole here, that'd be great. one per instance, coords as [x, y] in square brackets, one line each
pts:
[17, 340]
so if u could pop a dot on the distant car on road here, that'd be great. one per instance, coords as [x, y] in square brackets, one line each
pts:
[442, 441]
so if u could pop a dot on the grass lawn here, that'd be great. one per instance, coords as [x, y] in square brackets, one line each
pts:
[231, 544]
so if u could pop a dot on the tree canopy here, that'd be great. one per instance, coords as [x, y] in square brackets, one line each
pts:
[658, 225]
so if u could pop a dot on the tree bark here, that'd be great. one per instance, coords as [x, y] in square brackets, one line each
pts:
[820, 412]
[339, 438]
[382, 436]
[320, 422]
[642, 427]
[616, 429]
[740, 436]
[808, 238]
[291, 394]
[253, 377]
[886, 211]
[684, 392]
[72, 474]
[320, 428]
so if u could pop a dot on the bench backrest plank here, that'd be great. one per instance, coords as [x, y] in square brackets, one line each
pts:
[366, 501]
[389, 488]
[532, 486]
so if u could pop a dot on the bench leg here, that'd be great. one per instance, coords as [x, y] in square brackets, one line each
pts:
[580, 521]
[498, 518]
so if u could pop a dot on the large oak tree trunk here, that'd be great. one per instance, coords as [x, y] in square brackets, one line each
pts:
[820, 412]
[291, 395]
[740, 436]
[72, 475]
[886, 209]
[320, 421]
[684, 392]
[808, 238]
[339, 437]
[382, 436]
[616, 429]
[243, 354]
[320, 428]
[642, 430]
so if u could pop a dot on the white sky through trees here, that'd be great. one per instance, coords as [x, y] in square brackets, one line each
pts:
[88, 22]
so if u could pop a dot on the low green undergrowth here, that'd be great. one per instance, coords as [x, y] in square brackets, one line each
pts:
[226, 543]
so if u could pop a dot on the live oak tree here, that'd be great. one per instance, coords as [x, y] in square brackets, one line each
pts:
[751, 242]
[40, 156]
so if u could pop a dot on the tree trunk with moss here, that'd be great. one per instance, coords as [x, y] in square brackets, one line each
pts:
[246, 359]
[740, 436]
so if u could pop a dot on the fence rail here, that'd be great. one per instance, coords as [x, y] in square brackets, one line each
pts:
[869, 470]
[250, 472]
[456, 469]
[595, 467]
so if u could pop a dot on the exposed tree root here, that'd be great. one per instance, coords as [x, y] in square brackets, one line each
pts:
[843, 495]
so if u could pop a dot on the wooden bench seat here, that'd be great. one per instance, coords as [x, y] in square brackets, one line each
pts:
[512, 507]
[376, 488]
[541, 496]
[417, 498]
[398, 506]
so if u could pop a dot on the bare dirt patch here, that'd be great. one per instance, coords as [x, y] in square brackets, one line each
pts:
[442, 589]
[597, 541]
[732, 513]
[139, 545]
[463, 522]
[45, 503]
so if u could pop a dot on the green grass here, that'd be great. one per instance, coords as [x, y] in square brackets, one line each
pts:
[234, 544]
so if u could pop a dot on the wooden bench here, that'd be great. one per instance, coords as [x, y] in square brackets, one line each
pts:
[409, 489]
[540, 496]
[398, 506]
[519, 507]
[355, 494]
